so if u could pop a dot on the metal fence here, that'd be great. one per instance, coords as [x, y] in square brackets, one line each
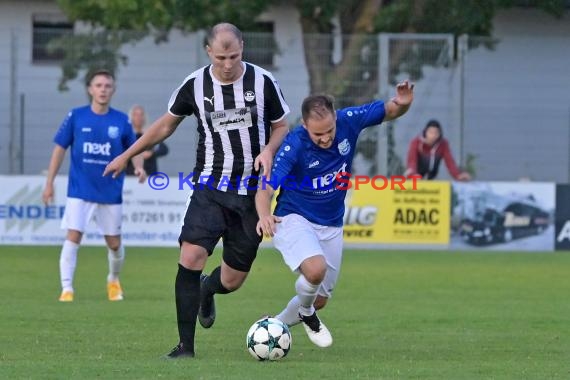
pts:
[480, 90]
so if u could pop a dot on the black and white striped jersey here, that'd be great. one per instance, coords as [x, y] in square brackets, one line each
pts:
[234, 124]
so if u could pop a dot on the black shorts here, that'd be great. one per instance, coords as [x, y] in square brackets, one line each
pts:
[213, 214]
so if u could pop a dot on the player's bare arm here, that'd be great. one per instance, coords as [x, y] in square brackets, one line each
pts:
[265, 159]
[157, 132]
[266, 224]
[54, 164]
[399, 104]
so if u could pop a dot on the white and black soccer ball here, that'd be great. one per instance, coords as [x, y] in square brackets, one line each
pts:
[268, 339]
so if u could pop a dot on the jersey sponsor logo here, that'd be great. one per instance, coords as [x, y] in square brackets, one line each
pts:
[113, 132]
[249, 96]
[313, 164]
[86, 129]
[327, 179]
[210, 100]
[96, 148]
[344, 147]
[235, 118]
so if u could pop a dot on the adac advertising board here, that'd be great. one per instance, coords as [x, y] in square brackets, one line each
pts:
[411, 215]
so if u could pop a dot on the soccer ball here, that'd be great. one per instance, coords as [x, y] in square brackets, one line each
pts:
[268, 339]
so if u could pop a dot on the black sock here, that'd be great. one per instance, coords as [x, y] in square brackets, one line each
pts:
[187, 289]
[214, 284]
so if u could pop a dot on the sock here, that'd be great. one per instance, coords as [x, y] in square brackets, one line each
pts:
[306, 293]
[214, 284]
[187, 290]
[116, 260]
[67, 264]
[290, 315]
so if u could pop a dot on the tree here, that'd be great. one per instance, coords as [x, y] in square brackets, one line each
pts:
[113, 23]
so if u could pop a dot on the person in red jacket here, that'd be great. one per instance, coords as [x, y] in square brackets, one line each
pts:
[427, 150]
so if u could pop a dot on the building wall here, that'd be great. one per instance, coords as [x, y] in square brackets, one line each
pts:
[518, 99]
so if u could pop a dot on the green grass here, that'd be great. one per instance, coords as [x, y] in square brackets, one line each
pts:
[395, 315]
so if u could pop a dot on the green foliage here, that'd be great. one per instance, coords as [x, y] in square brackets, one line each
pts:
[452, 16]
[158, 17]
[114, 23]
[150, 15]
[438, 16]
[93, 50]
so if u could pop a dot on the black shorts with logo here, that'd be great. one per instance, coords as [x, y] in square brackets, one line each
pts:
[213, 214]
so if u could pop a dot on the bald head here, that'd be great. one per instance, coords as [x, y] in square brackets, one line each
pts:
[224, 28]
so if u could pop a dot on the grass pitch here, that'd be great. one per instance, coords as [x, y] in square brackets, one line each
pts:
[394, 315]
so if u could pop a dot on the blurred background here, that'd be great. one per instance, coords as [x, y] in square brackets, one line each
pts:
[494, 73]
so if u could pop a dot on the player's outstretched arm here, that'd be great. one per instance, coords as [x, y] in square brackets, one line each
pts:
[157, 132]
[266, 224]
[399, 104]
[54, 164]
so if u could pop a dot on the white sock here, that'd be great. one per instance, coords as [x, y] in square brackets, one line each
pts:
[290, 315]
[116, 260]
[306, 293]
[67, 264]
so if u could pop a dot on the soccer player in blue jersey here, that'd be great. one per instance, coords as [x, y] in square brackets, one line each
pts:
[95, 134]
[307, 221]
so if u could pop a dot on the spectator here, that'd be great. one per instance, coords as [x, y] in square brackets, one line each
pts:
[427, 150]
[137, 117]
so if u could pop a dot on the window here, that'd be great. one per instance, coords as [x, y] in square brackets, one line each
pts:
[47, 28]
[260, 46]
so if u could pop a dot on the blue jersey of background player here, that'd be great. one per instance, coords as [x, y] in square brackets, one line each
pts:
[95, 140]
[95, 135]
[306, 171]
[307, 223]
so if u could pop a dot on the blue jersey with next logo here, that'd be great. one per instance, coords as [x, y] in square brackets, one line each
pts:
[95, 141]
[306, 172]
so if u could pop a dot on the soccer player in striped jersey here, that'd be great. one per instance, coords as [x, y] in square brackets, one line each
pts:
[307, 221]
[241, 117]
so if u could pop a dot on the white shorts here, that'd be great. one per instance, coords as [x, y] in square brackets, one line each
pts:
[78, 214]
[298, 239]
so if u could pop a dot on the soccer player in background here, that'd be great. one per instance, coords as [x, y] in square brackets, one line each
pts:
[96, 133]
[241, 117]
[307, 222]
[426, 152]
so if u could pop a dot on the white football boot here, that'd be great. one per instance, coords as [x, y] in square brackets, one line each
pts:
[316, 330]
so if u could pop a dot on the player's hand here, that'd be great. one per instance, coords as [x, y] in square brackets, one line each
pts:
[116, 167]
[141, 174]
[47, 195]
[464, 176]
[404, 93]
[264, 162]
[266, 225]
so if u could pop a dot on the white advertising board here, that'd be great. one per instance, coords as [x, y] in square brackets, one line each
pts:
[150, 217]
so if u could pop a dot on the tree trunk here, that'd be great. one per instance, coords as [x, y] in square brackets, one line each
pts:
[326, 77]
